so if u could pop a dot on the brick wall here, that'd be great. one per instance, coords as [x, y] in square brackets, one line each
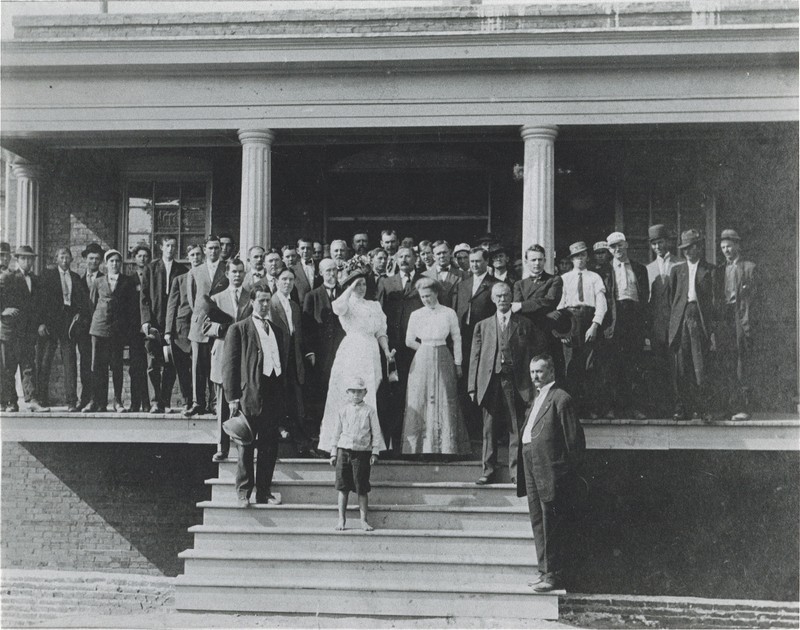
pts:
[110, 507]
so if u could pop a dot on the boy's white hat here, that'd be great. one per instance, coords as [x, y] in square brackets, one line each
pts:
[356, 383]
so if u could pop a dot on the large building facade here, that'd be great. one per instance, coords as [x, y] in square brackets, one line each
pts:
[540, 122]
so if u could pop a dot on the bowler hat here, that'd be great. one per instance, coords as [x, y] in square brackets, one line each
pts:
[93, 248]
[496, 248]
[729, 235]
[560, 321]
[238, 427]
[689, 238]
[655, 232]
[615, 238]
[5, 248]
[577, 248]
[24, 250]
[599, 246]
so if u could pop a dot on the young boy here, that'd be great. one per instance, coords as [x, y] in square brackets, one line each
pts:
[356, 442]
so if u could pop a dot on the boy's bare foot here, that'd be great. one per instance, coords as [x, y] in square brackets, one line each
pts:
[366, 526]
[340, 525]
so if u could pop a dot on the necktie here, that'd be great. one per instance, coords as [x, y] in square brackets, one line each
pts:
[331, 294]
[406, 279]
[266, 326]
[580, 287]
[272, 284]
[623, 278]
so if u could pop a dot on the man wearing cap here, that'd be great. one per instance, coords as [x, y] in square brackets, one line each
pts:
[93, 255]
[445, 272]
[658, 275]
[156, 282]
[461, 257]
[601, 258]
[115, 320]
[584, 295]
[628, 293]
[691, 317]
[735, 290]
[253, 371]
[67, 307]
[11, 299]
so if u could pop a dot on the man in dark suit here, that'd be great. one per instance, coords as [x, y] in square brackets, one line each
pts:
[66, 299]
[628, 293]
[253, 368]
[93, 255]
[206, 279]
[323, 333]
[734, 291]
[658, 274]
[691, 317]
[536, 297]
[550, 449]
[498, 257]
[10, 302]
[286, 311]
[137, 367]
[156, 283]
[399, 298]
[307, 276]
[115, 319]
[233, 305]
[444, 272]
[179, 323]
[499, 381]
[256, 270]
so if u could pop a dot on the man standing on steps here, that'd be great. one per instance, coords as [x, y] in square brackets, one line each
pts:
[549, 452]
[253, 368]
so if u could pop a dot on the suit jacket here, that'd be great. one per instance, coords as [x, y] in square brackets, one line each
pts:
[537, 298]
[179, 313]
[85, 282]
[484, 357]
[398, 304]
[642, 287]
[296, 339]
[301, 281]
[32, 305]
[679, 289]
[200, 283]
[454, 275]
[660, 304]
[55, 316]
[478, 306]
[115, 312]
[11, 296]
[322, 330]
[745, 291]
[558, 444]
[216, 330]
[154, 298]
[243, 365]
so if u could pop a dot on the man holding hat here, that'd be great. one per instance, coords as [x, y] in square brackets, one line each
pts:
[93, 255]
[67, 312]
[584, 295]
[628, 295]
[734, 289]
[658, 274]
[691, 296]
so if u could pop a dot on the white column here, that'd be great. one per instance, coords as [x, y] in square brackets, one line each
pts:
[538, 201]
[28, 215]
[256, 213]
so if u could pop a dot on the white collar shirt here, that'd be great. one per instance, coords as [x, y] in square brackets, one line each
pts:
[503, 319]
[663, 264]
[112, 281]
[476, 281]
[168, 273]
[269, 347]
[501, 276]
[308, 268]
[625, 281]
[235, 293]
[692, 294]
[66, 286]
[212, 268]
[287, 308]
[594, 293]
[406, 277]
[537, 405]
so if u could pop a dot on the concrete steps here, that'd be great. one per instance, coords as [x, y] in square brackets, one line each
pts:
[442, 547]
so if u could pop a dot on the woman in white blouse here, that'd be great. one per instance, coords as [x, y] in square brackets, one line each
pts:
[433, 421]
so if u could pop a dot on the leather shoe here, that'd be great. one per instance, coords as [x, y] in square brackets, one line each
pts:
[73, 409]
[741, 416]
[89, 408]
[155, 408]
[545, 586]
[118, 407]
[485, 480]
[219, 456]
[242, 502]
[12, 408]
[38, 408]
[192, 411]
[270, 499]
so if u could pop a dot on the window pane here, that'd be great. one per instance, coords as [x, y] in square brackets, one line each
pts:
[140, 207]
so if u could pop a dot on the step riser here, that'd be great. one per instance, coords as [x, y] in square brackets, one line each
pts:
[499, 549]
[364, 602]
[384, 519]
[453, 497]
[364, 575]
[322, 471]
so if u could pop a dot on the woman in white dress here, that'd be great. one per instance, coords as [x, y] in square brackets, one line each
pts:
[433, 422]
[359, 354]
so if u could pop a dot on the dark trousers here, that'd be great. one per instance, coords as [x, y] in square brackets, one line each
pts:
[733, 349]
[183, 370]
[579, 357]
[162, 376]
[9, 352]
[87, 380]
[691, 359]
[392, 398]
[107, 352]
[661, 388]
[295, 406]
[548, 520]
[26, 359]
[502, 407]
[265, 430]
[223, 413]
[472, 413]
[59, 338]
[201, 372]
[137, 370]
[627, 346]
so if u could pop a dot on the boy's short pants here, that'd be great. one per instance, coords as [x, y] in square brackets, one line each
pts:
[352, 470]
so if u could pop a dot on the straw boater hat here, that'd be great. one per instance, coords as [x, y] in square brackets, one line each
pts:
[689, 238]
[577, 248]
[729, 235]
[655, 232]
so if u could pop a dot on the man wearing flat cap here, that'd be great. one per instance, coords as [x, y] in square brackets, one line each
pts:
[691, 318]
[658, 275]
[734, 290]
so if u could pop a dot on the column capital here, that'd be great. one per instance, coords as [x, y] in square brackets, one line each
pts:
[256, 136]
[22, 169]
[539, 132]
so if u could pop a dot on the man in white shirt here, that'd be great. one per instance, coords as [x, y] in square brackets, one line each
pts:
[253, 368]
[551, 446]
[584, 295]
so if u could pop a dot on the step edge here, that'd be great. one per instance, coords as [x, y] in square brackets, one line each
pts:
[522, 509]
[405, 533]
